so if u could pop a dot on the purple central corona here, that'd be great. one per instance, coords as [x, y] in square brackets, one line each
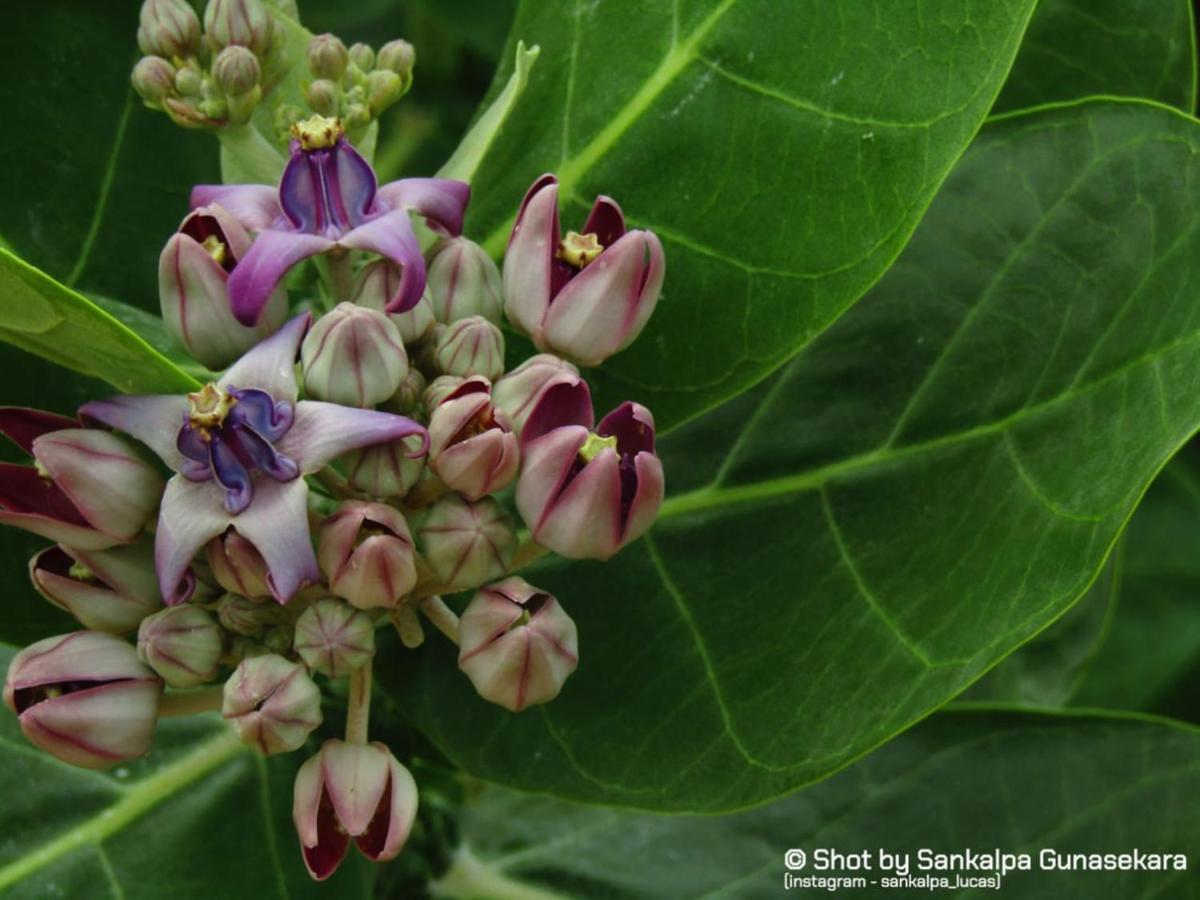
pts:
[230, 434]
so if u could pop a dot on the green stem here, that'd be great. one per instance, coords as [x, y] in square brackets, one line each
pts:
[528, 552]
[444, 619]
[187, 703]
[408, 626]
[358, 714]
[470, 877]
[247, 156]
[339, 275]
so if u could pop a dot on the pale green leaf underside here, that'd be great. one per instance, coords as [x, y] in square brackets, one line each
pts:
[783, 154]
[42, 316]
[980, 779]
[923, 489]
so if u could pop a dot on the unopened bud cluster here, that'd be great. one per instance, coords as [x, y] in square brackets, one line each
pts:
[355, 460]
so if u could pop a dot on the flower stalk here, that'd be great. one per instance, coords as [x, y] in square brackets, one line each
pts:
[189, 703]
[358, 710]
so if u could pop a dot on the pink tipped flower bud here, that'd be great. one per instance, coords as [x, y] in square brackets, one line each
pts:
[272, 704]
[244, 616]
[463, 281]
[586, 494]
[168, 28]
[193, 272]
[327, 57]
[352, 791]
[377, 284]
[182, 644]
[518, 392]
[516, 644]
[584, 296]
[386, 470]
[467, 543]
[154, 79]
[471, 346]
[246, 23]
[397, 56]
[238, 567]
[107, 480]
[362, 56]
[366, 552]
[236, 71]
[353, 356]
[106, 590]
[334, 638]
[84, 698]
[471, 446]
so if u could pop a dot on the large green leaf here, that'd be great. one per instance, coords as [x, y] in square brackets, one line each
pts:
[924, 488]
[1132, 48]
[1151, 658]
[200, 816]
[984, 780]
[783, 153]
[44, 317]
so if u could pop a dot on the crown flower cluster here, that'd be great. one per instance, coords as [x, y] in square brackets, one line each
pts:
[365, 452]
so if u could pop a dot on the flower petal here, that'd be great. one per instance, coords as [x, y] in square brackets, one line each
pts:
[606, 221]
[22, 426]
[356, 775]
[28, 501]
[566, 403]
[256, 206]
[271, 365]
[391, 236]
[192, 513]
[154, 420]
[441, 201]
[276, 523]
[323, 431]
[529, 260]
[256, 276]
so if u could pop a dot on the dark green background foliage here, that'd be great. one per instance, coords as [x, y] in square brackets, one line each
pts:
[926, 356]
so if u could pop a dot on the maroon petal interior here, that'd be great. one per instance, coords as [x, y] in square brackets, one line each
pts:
[332, 842]
[23, 490]
[200, 227]
[22, 426]
[606, 221]
[568, 403]
[372, 841]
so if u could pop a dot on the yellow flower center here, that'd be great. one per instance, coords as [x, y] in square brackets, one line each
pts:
[579, 249]
[208, 407]
[318, 132]
[215, 248]
[594, 444]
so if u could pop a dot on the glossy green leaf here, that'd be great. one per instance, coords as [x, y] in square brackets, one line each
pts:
[1132, 48]
[1151, 658]
[41, 316]
[783, 154]
[926, 487]
[984, 780]
[200, 816]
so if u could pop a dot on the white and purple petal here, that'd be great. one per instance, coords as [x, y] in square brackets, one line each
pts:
[443, 202]
[155, 420]
[391, 236]
[255, 206]
[271, 365]
[323, 431]
[268, 260]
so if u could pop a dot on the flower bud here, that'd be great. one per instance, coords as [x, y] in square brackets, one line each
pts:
[168, 28]
[334, 638]
[463, 281]
[182, 644]
[366, 552]
[442, 387]
[272, 704]
[106, 590]
[377, 284]
[471, 446]
[279, 639]
[238, 567]
[467, 543]
[353, 356]
[244, 616]
[327, 57]
[356, 791]
[586, 494]
[323, 95]
[397, 56]
[154, 79]
[471, 346]
[243, 22]
[107, 480]
[188, 81]
[409, 397]
[193, 272]
[516, 644]
[383, 89]
[84, 698]
[585, 296]
[518, 392]
[386, 470]
[236, 71]
[362, 56]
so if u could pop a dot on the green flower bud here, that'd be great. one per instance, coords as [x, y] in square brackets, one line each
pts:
[334, 638]
[467, 544]
[327, 57]
[236, 71]
[323, 96]
[470, 346]
[168, 28]
[363, 57]
[244, 616]
[154, 79]
[189, 81]
[271, 703]
[383, 89]
[243, 22]
[353, 356]
[397, 56]
[182, 644]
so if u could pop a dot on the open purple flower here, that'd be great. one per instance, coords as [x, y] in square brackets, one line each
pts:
[328, 200]
[239, 447]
